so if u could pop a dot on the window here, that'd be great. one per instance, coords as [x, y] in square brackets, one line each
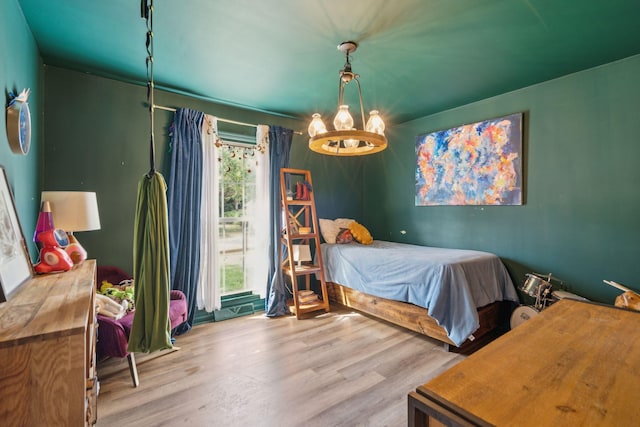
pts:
[237, 184]
[235, 227]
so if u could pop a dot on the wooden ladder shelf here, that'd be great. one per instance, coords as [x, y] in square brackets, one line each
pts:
[300, 252]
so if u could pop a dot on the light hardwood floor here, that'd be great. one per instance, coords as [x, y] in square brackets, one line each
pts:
[336, 369]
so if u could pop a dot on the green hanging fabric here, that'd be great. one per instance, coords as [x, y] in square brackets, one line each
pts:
[151, 329]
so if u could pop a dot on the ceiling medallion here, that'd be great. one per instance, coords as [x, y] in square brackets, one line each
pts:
[346, 140]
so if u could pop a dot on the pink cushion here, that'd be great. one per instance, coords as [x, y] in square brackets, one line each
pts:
[111, 274]
[113, 335]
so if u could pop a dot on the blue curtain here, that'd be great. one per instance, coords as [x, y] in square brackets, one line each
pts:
[184, 200]
[279, 148]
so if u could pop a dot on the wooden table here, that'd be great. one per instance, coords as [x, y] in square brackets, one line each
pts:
[576, 363]
[47, 351]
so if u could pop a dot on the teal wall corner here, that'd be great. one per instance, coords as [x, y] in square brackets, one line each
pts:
[98, 140]
[22, 68]
[579, 220]
[581, 202]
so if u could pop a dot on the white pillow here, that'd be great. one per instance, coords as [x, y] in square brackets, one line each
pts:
[344, 222]
[330, 229]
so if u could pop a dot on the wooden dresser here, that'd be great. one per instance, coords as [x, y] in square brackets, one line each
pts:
[47, 351]
[575, 364]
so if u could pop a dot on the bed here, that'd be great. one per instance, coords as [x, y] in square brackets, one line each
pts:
[453, 295]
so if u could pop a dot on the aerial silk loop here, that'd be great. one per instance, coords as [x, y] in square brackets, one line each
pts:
[151, 328]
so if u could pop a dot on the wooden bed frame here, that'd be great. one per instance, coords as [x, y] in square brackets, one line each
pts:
[493, 317]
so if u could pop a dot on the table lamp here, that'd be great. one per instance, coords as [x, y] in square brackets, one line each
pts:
[74, 211]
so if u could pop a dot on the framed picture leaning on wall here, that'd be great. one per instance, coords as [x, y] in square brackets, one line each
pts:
[15, 264]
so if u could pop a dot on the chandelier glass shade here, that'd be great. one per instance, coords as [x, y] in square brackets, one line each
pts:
[345, 140]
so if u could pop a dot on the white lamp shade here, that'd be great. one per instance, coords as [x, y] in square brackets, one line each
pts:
[317, 127]
[375, 123]
[301, 253]
[343, 120]
[73, 210]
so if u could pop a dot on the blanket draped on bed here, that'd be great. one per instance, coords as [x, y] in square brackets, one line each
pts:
[450, 283]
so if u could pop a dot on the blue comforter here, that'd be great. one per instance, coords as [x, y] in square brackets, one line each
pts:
[450, 283]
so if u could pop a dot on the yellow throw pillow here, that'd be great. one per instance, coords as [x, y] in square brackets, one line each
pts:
[360, 233]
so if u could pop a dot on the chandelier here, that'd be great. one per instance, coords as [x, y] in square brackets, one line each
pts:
[346, 140]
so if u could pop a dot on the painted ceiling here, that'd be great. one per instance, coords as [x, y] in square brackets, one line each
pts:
[415, 57]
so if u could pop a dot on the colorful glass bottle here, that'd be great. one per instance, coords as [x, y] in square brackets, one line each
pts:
[45, 222]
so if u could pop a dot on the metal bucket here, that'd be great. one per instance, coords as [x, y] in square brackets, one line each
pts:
[534, 285]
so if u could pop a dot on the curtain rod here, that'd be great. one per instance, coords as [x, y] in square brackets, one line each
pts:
[162, 107]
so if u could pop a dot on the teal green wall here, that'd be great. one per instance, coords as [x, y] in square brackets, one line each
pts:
[580, 220]
[97, 139]
[337, 181]
[20, 68]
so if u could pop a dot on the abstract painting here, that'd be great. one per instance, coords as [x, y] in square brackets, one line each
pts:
[474, 164]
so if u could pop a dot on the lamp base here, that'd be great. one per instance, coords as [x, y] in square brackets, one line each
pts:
[75, 250]
[53, 259]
